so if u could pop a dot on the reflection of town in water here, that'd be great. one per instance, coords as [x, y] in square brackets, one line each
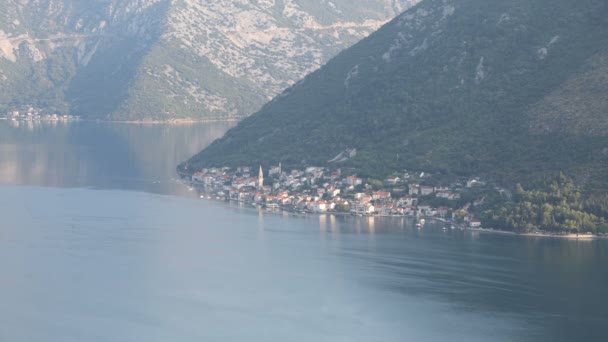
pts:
[101, 155]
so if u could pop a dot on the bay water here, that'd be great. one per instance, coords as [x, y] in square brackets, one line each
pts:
[100, 242]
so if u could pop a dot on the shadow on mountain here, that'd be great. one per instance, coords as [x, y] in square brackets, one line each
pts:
[102, 85]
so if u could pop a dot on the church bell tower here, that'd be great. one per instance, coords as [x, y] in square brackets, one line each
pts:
[261, 178]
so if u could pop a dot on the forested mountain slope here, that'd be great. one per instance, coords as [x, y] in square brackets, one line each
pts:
[513, 89]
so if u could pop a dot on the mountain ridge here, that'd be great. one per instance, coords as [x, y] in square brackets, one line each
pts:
[448, 86]
[171, 59]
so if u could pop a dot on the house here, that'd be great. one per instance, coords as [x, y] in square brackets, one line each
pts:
[380, 195]
[333, 192]
[352, 180]
[426, 190]
[363, 209]
[414, 189]
[406, 201]
[449, 195]
[424, 210]
[409, 210]
[342, 202]
[208, 180]
[474, 224]
[433, 212]
[363, 197]
[258, 197]
[233, 194]
[392, 180]
[244, 196]
[317, 207]
[243, 169]
[274, 170]
[383, 210]
[359, 195]
[198, 177]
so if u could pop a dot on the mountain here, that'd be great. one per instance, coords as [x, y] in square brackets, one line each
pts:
[512, 89]
[171, 59]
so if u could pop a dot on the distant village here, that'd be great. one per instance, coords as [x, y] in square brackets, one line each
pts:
[321, 190]
[32, 113]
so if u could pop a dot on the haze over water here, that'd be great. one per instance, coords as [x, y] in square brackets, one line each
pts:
[98, 242]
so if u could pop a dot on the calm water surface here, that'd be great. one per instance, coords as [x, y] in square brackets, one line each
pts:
[99, 243]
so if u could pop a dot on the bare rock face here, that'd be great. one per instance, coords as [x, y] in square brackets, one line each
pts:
[172, 59]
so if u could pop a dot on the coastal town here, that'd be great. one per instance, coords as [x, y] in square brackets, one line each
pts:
[322, 190]
[35, 114]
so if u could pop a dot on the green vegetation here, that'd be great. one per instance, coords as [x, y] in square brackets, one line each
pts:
[106, 59]
[450, 88]
[433, 109]
[556, 206]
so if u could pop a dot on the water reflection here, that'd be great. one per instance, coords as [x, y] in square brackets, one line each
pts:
[100, 155]
[547, 288]
[158, 268]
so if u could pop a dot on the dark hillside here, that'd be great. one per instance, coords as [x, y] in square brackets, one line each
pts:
[461, 86]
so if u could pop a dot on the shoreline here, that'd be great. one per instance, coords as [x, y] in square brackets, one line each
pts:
[582, 237]
[132, 122]
[165, 122]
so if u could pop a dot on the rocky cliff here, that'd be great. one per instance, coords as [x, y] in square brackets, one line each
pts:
[171, 59]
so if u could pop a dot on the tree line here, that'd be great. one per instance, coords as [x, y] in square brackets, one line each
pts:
[559, 205]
